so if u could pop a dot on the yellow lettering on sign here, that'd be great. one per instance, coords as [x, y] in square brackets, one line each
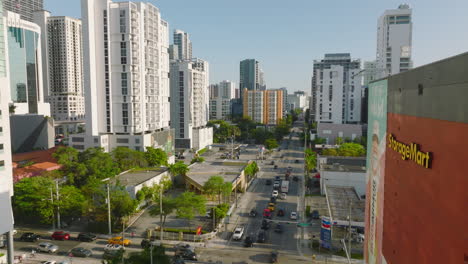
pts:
[410, 151]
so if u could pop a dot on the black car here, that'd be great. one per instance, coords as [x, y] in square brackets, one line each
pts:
[80, 252]
[248, 242]
[277, 178]
[272, 162]
[295, 178]
[279, 228]
[253, 213]
[280, 212]
[261, 238]
[268, 182]
[146, 243]
[265, 224]
[296, 161]
[273, 199]
[30, 237]
[187, 255]
[275, 167]
[86, 237]
[315, 214]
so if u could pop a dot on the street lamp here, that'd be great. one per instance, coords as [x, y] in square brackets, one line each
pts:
[108, 205]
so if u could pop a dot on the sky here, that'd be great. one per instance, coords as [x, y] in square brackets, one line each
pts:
[287, 36]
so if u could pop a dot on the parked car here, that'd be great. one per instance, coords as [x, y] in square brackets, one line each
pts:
[280, 212]
[315, 214]
[268, 182]
[30, 237]
[279, 228]
[86, 237]
[47, 247]
[261, 238]
[293, 216]
[274, 193]
[81, 252]
[119, 241]
[60, 235]
[238, 232]
[265, 224]
[271, 206]
[283, 196]
[248, 242]
[253, 213]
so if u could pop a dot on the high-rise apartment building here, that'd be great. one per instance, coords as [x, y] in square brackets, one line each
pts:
[336, 90]
[370, 72]
[27, 93]
[182, 45]
[126, 69]
[298, 100]
[221, 96]
[62, 64]
[263, 106]
[189, 103]
[394, 41]
[25, 8]
[250, 76]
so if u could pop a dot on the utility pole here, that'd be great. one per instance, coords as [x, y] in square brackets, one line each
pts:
[235, 192]
[161, 212]
[108, 205]
[151, 254]
[58, 205]
[123, 237]
[232, 147]
[349, 229]
[52, 202]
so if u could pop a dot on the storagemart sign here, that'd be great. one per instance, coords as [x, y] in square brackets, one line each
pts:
[410, 152]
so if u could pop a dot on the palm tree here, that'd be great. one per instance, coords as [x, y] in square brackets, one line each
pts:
[178, 169]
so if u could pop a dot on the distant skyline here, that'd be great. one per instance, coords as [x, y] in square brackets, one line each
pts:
[286, 38]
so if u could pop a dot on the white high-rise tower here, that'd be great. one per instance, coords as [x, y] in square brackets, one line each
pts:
[126, 76]
[394, 38]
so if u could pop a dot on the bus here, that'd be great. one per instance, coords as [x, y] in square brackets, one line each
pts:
[285, 186]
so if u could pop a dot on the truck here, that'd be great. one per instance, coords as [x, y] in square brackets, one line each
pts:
[285, 186]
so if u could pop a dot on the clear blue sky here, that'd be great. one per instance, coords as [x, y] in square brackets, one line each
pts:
[286, 36]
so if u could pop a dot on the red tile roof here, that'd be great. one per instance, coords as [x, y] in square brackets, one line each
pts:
[42, 161]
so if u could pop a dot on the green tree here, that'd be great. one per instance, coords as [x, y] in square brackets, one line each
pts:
[178, 168]
[122, 205]
[261, 134]
[197, 159]
[127, 158]
[310, 160]
[251, 169]
[99, 165]
[217, 186]
[71, 202]
[319, 140]
[144, 256]
[168, 207]
[156, 157]
[271, 143]
[351, 150]
[190, 204]
[347, 140]
[32, 200]
[330, 152]
[220, 211]
[339, 140]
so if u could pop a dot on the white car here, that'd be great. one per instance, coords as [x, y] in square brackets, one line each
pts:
[238, 232]
[274, 193]
[113, 247]
[47, 247]
[293, 216]
[283, 196]
[49, 262]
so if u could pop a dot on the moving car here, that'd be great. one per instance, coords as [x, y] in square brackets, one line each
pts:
[30, 237]
[267, 213]
[47, 247]
[271, 206]
[49, 262]
[60, 235]
[261, 238]
[119, 241]
[265, 224]
[272, 199]
[280, 212]
[279, 228]
[277, 178]
[275, 167]
[293, 216]
[283, 196]
[238, 232]
[110, 247]
[253, 213]
[86, 237]
[182, 247]
[315, 214]
[248, 242]
[276, 185]
[80, 252]
[274, 193]
[274, 257]
[296, 161]
[187, 255]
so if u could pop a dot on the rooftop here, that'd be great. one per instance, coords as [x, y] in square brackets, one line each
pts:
[339, 167]
[339, 199]
[344, 161]
[37, 163]
[229, 170]
[136, 177]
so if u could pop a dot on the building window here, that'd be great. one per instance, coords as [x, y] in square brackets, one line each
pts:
[122, 140]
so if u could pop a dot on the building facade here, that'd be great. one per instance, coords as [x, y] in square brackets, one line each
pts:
[126, 69]
[62, 64]
[6, 176]
[251, 77]
[182, 46]
[416, 160]
[190, 103]
[394, 41]
[27, 93]
[221, 96]
[336, 90]
[25, 8]
[298, 100]
[263, 106]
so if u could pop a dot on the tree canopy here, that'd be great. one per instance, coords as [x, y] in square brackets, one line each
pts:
[217, 186]
[346, 150]
[156, 157]
[189, 205]
[271, 143]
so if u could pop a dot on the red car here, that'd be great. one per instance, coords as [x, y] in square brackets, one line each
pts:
[60, 235]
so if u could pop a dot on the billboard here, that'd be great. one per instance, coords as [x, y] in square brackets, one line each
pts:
[164, 140]
[325, 233]
[376, 143]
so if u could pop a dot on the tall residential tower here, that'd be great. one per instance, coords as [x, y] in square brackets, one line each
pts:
[25, 8]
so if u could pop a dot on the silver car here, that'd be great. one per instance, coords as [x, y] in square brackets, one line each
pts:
[47, 247]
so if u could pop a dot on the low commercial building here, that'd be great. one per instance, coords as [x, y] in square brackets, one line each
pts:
[343, 172]
[341, 202]
[331, 131]
[135, 180]
[231, 171]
